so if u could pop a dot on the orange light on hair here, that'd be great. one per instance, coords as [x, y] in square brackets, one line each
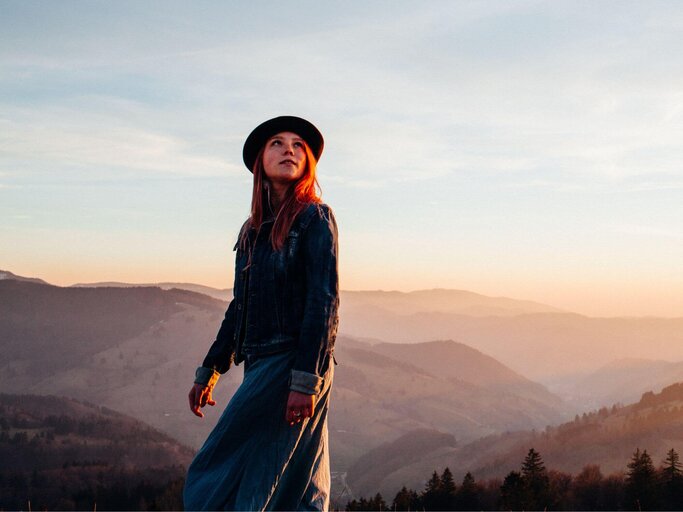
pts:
[301, 193]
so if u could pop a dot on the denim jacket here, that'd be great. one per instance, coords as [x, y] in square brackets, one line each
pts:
[287, 299]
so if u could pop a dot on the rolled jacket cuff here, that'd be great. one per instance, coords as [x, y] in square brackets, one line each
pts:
[206, 376]
[304, 382]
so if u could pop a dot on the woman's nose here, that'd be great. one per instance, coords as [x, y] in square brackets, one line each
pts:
[289, 148]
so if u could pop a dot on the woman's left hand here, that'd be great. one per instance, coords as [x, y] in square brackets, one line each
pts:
[299, 406]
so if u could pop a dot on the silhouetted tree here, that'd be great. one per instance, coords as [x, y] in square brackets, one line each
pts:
[377, 503]
[587, 489]
[512, 492]
[536, 483]
[446, 493]
[559, 494]
[406, 499]
[672, 482]
[431, 494]
[467, 496]
[641, 482]
[612, 490]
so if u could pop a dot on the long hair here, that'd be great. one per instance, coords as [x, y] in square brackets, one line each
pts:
[299, 195]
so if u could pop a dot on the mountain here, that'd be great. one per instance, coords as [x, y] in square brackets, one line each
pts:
[90, 319]
[541, 346]
[216, 293]
[458, 362]
[620, 381]
[80, 431]
[381, 394]
[56, 451]
[539, 341]
[437, 300]
[369, 471]
[6, 274]
[402, 303]
[109, 345]
[607, 437]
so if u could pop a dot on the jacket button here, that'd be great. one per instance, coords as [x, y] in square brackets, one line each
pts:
[239, 306]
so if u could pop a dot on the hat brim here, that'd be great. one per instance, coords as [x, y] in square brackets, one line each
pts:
[259, 135]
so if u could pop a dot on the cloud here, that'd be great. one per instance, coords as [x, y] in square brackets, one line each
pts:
[410, 95]
[70, 139]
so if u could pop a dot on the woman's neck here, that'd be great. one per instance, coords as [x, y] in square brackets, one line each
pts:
[277, 196]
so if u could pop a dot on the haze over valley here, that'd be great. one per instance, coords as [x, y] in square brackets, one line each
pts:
[395, 383]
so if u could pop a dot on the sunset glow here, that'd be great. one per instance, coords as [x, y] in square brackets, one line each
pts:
[520, 149]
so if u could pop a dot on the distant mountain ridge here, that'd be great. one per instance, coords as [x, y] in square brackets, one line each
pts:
[619, 381]
[6, 274]
[440, 300]
[217, 293]
[541, 346]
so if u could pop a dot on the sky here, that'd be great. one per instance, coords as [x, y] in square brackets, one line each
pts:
[524, 149]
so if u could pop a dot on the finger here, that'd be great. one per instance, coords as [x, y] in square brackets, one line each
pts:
[211, 401]
[193, 401]
[196, 411]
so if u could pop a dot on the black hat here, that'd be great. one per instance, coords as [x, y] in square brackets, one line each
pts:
[258, 137]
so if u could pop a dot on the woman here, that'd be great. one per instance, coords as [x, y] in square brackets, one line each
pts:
[269, 450]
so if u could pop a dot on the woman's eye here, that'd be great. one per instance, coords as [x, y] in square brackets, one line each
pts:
[299, 144]
[275, 142]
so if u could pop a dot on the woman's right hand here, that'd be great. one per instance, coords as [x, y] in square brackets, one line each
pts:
[199, 397]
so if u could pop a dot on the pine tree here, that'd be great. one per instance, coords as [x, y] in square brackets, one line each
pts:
[672, 481]
[447, 491]
[406, 499]
[377, 503]
[430, 496]
[641, 482]
[672, 466]
[512, 491]
[533, 465]
[467, 496]
[536, 482]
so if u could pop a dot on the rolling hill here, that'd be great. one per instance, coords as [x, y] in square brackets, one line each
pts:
[607, 437]
[106, 345]
[59, 453]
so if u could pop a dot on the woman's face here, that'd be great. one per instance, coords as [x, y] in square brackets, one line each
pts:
[284, 157]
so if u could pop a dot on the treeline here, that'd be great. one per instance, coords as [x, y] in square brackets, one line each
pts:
[533, 487]
[90, 486]
[86, 427]
[62, 454]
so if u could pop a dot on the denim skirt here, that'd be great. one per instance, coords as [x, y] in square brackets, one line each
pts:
[253, 459]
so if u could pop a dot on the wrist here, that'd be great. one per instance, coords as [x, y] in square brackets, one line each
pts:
[305, 383]
[206, 376]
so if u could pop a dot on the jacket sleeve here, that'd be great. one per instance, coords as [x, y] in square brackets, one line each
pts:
[321, 317]
[221, 355]
[222, 352]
